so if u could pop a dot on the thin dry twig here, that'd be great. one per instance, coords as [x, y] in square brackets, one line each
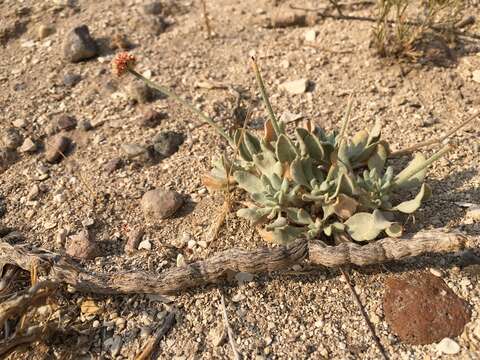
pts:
[207, 20]
[231, 336]
[152, 344]
[364, 314]
[437, 141]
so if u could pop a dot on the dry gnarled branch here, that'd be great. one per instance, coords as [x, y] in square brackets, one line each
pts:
[220, 266]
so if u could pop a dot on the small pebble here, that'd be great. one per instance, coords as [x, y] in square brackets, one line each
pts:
[448, 346]
[145, 245]
[295, 87]
[28, 146]
[161, 203]
[79, 45]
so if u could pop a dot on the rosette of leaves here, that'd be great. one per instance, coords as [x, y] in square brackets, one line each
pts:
[316, 185]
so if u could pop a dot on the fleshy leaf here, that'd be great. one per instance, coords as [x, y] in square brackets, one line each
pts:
[248, 182]
[299, 216]
[345, 206]
[415, 180]
[394, 230]
[378, 159]
[283, 235]
[286, 152]
[366, 227]
[410, 206]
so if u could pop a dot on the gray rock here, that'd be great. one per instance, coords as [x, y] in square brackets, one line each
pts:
[81, 246]
[66, 122]
[7, 158]
[152, 118]
[167, 143]
[113, 165]
[160, 203]
[57, 146]
[156, 25]
[145, 245]
[140, 92]
[12, 138]
[28, 146]
[71, 79]
[153, 8]
[133, 150]
[79, 45]
[85, 125]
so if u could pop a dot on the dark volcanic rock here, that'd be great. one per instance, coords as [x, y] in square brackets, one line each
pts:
[167, 143]
[422, 309]
[79, 45]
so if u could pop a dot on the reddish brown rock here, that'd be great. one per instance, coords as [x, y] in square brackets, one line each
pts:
[160, 203]
[422, 309]
[81, 246]
[134, 238]
[57, 146]
[66, 122]
[152, 118]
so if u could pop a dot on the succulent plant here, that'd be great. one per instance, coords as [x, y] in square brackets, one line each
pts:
[314, 184]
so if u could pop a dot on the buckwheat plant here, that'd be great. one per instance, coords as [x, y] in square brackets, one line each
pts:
[312, 184]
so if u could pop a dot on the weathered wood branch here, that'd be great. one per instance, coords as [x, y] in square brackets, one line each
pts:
[19, 304]
[217, 268]
[32, 334]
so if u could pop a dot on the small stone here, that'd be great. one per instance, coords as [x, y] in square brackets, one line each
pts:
[422, 309]
[180, 260]
[140, 92]
[167, 143]
[28, 146]
[133, 150]
[202, 244]
[145, 245]
[238, 297]
[61, 238]
[310, 35]
[88, 222]
[191, 244]
[473, 213]
[79, 45]
[7, 158]
[57, 146]
[44, 31]
[12, 138]
[284, 18]
[218, 335]
[153, 8]
[243, 277]
[113, 165]
[33, 193]
[448, 346]
[436, 272]
[116, 345]
[476, 76]
[134, 238]
[49, 225]
[20, 123]
[155, 24]
[120, 323]
[152, 118]
[85, 125]
[160, 203]
[295, 87]
[70, 79]
[81, 246]
[66, 122]
[59, 198]
[145, 331]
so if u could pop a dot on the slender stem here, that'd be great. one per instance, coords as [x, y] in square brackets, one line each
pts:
[264, 93]
[364, 314]
[407, 175]
[172, 95]
[346, 121]
[435, 141]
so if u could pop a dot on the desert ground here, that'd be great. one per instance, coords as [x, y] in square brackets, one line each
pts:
[107, 164]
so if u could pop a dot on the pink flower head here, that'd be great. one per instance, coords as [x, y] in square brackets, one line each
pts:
[122, 62]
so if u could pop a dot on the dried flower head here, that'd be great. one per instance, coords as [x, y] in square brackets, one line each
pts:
[122, 62]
